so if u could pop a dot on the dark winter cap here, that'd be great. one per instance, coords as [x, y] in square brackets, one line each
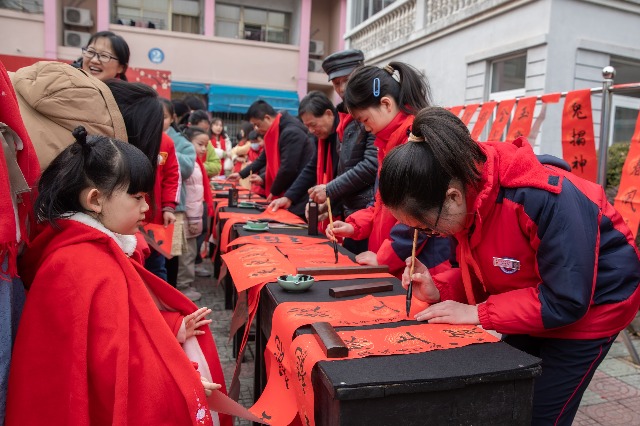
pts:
[342, 63]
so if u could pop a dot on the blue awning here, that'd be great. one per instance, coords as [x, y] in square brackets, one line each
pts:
[186, 87]
[238, 99]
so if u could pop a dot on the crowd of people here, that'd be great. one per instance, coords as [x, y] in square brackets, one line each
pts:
[517, 246]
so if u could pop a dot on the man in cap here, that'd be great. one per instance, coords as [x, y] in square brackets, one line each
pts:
[352, 173]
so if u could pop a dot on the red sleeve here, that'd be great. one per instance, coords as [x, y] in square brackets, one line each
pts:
[173, 319]
[170, 175]
[362, 222]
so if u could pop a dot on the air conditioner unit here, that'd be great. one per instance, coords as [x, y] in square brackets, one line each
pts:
[77, 17]
[316, 47]
[315, 65]
[76, 38]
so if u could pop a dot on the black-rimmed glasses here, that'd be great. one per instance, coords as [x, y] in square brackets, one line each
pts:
[431, 232]
[102, 57]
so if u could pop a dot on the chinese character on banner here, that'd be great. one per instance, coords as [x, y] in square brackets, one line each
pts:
[483, 117]
[627, 201]
[522, 118]
[503, 113]
[578, 141]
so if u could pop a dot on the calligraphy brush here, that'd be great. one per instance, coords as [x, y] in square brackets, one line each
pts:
[413, 264]
[250, 173]
[335, 242]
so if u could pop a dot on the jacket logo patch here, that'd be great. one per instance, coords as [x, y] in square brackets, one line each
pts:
[506, 265]
[162, 158]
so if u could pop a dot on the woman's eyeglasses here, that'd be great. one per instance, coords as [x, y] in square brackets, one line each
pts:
[102, 57]
[431, 232]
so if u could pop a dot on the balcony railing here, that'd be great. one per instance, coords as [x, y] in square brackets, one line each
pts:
[406, 20]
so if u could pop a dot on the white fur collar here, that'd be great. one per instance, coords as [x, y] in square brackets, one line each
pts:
[126, 242]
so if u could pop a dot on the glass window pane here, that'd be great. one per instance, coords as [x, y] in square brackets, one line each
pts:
[277, 19]
[255, 16]
[278, 36]
[228, 12]
[252, 32]
[157, 5]
[227, 29]
[624, 124]
[508, 74]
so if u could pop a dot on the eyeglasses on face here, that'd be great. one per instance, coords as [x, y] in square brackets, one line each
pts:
[102, 57]
[432, 232]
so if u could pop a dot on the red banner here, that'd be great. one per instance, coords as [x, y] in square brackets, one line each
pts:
[251, 265]
[483, 117]
[627, 201]
[468, 113]
[456, 110]
[578, 141]
[159, 237]
[503, 113]
[289, 363]
[522, 118]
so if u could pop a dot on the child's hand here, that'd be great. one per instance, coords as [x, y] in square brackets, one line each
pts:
[367, 258]
[196, 320]
[168, 218]
[193, 228]
[423, 286]
[339, 229]
[208, 386]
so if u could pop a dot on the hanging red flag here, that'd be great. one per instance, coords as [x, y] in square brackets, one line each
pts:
[483, 117]
[522, 118]
[503, 113]
[627, 201]
[468, 113]
[578, 142]
[456, 110]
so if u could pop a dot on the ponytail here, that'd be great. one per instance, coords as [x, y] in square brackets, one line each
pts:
[368, 84]
[439, 150]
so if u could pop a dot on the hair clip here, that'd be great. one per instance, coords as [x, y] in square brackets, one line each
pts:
[394, 73]
[414, 138]
[376, 87]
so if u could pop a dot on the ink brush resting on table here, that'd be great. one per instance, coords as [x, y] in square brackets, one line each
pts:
[335, 241]
[413, 263]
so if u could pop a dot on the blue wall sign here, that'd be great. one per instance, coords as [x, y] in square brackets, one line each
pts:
[156, 55]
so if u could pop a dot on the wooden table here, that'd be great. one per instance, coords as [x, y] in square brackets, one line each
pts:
[484, 384]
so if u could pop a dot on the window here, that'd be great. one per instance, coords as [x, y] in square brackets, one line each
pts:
[173, 15]
[625, 106]
[252, 24]
[365, 9]
[29, 6]
[509, 74]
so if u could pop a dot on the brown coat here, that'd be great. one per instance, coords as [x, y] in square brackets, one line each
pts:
[55, 98]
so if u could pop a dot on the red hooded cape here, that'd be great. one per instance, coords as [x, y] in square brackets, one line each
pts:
[93, 347]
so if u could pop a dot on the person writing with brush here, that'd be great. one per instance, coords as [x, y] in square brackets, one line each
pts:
[544, 259]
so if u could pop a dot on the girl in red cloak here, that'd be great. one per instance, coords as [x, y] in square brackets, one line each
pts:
[93, 346]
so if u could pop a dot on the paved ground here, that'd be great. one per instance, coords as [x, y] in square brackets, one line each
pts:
[612, 399]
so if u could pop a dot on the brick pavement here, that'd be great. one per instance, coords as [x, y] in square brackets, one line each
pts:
[612, 399]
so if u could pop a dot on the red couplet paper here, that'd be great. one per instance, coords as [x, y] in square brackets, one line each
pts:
[287, 371]
[315, 255]
[468, 113]
[578, 141]
[503, 113]
[159, 238]
[627, 201]
[456, 110]
[279, 240]
[483, 117]
[305, 351]
[251, 265]
[522, 118]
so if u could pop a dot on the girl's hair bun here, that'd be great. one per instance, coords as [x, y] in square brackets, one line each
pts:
[80, 134]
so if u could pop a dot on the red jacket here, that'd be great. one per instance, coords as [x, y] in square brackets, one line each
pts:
[390, 240]
[166, 191]
[543, 253]
[91, 325]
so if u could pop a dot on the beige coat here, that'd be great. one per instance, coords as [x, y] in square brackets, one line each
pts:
[55, 98]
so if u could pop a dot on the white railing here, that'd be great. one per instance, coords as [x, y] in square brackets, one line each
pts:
[395, 24]
[386, 27]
